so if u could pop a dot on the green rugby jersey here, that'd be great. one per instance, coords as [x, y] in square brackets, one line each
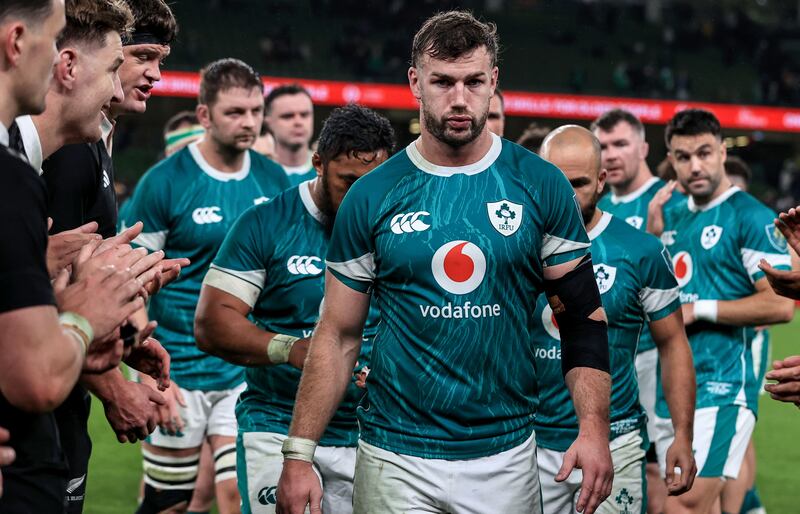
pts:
[633, 209]
[454, 258]
[187, 207]
[299, 174]
[634, 275]
[715, 252]
[272, 260]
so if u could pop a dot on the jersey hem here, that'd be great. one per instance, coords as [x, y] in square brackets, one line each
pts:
[448, 454]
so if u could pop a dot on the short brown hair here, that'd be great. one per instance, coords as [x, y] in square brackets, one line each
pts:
[736, 167]
[610, 119]
[33, 11]
[153, 17]
[88, 21]
[226, 74]
[449, 35]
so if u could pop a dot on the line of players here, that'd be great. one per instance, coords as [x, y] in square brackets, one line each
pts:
[275, 275]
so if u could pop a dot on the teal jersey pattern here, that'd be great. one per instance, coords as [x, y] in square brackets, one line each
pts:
[634, 275]
[715, 252]
[299, 174]
[273, 260]
[454, 258]
[633, 209]
[187, 207]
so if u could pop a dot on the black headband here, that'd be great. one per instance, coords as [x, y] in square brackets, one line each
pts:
[143, 38]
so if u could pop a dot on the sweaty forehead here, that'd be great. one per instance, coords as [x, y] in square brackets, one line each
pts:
[291, 103]
[691, 144]
[150, 49]
[474, 61]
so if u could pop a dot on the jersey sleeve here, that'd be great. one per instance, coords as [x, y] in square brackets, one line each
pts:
[760, 239]
[150, 205]
[351, 251]
[564, 236]
[239, 268]
[659, 294]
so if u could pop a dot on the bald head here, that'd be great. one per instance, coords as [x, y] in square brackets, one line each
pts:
[576, 151]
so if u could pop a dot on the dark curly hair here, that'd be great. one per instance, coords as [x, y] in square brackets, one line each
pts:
[354, 129]
[154, 17]
[693, 122]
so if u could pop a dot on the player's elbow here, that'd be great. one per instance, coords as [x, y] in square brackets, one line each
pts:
[204, 334]
[36, 396]
[785, 311]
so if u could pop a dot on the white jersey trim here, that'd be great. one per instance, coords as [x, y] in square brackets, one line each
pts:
[244, 285]
[153, 241]
[308, 202]
[448, 171]
[299, 170]
[31, 142]
[751, 258]
[598, 229]
[635, 194]
[214, 173]
[653, 300]
[713, 203]
[361, 268]
[554, 245]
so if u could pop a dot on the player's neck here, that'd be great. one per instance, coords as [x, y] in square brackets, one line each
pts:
[642, 176]
[288, 156]
[220, 157]
[52, 135]
[9, 108]
[598, 214]
[442, 154]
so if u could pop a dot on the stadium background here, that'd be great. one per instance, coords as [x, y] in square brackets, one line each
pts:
[562, 61]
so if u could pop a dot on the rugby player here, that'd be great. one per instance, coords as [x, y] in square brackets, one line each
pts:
[634, 274]
[455, 237]
[290, 117]
[624, 153]
[717, 240]
[276, 276]
[188, 202]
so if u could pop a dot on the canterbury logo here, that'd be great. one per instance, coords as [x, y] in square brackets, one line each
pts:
[411, 222]
[304, 265]
[204, 215]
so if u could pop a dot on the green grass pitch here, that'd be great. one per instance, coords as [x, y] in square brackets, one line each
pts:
[115, 469]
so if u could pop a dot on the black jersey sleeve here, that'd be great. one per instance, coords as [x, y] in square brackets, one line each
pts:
[71, 176]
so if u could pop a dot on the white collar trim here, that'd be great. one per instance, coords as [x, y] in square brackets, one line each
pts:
[107, 130]
[602, 224]
[448, 171]
[299, 170]
[308, 202]
[215, 173]
[31, 141]
[635, 194]
[713, 203]
[3, 134]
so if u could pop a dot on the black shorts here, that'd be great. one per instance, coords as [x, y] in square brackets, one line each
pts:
[36, 480]
[72, 418]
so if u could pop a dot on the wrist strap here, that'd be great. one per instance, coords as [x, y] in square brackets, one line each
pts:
[706, 310]
[78, 326]
[279, 347]
[297, 448]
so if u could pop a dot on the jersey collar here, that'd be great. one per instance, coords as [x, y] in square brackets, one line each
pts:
[636, 194]
[598, 229]
[215, 173]
[308, 202]
[299, 170]
[713, 203]
[3, 134]
[448, 171]
[31, 142]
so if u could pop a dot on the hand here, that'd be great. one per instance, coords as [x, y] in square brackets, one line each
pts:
[150, 358]
[170, 270]
[133, 413]
[787, 373]
[592, 455]
[680, 455]
[298, 487]
[169, 413]
[298, 353]
[104, 354]
[784, 283]
[7, 454]
[361, 377]
[655, 209]
[62, 248]
[125, 237]
[789, 224]
[687, 309]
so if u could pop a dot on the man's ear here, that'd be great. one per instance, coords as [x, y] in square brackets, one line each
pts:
[203, 114]
[65, 71]
[316, 161]
[13, 42]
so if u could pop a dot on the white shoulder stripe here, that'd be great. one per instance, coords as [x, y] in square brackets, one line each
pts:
[653, 300]
[153, 241]
[244, 285]
[553, 245]
[361, 268]
[751, 258]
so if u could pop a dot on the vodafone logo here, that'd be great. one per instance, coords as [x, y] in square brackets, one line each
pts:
[459, 267]
[549, 322]
[682, 264]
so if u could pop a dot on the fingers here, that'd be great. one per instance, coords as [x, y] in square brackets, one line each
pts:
[315, 501]
[61, 281]
[89, 228]
[49, 223]
[146, 262]
[179, 397]
[570, 459]
[784, 374]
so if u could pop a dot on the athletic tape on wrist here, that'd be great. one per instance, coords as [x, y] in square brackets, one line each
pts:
[79, 325]
[297, 448]
[279, 347]
[706, 310]
[79, 337]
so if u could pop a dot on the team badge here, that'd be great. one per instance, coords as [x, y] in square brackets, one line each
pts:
[604, 275]
[710, 236]
[635, 221]
[505, 216]
[775, 237]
